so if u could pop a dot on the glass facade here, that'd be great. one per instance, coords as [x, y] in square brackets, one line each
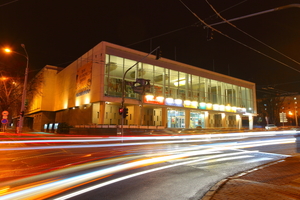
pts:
[176, 88]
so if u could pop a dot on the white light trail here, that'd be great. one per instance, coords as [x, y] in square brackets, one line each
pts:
[143, 172]
[122, 144]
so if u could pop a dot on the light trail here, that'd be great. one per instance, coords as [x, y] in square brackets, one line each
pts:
[145, 172]
[124, 144]
[236, 135]
[54, 186]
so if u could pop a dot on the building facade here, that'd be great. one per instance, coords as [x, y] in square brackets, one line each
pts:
[89, 91]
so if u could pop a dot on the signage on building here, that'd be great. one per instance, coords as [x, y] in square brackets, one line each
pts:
[241, 110]
[173, 102]
[190, 104]
[154, 100]
[84, 79]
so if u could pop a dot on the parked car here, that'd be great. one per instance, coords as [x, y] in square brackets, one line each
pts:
[271, 127]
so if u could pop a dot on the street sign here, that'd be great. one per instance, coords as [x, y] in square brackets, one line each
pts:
[4, 121]
[4, 117]
[283, 118]
[5, 113]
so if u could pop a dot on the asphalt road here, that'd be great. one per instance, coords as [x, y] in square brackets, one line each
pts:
[181, 167]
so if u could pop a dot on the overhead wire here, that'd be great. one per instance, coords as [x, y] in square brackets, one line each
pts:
[237, 41]
[228, 22]
[192, 25]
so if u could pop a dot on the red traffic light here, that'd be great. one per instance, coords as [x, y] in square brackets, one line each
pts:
[121, 111]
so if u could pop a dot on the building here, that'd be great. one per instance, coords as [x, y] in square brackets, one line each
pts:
[280, 109]
[176, 95]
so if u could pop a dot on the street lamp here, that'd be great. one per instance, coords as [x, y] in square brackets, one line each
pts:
[20, 125]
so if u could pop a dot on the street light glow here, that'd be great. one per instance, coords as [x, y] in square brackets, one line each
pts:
[3, 78]
[7, 50]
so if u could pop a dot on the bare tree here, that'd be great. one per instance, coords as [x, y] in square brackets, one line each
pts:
[11, 85]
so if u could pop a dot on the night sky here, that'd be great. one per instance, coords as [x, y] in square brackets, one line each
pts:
[56, 32]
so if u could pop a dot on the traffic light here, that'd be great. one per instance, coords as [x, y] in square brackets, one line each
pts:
[121, 111]
[22, 113]
[158, 54]
[125, 112]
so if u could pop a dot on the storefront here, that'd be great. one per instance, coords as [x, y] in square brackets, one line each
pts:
[89, 91]
[197, 119]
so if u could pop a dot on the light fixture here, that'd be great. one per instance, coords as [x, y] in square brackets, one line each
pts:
[216, 107]
[187, 102]
[228, 108]
[178, 101]
[222, 108]
[233, 109]
[180, 82]
[194, 103]
[202, 105]
[209, 106]
[169, 100]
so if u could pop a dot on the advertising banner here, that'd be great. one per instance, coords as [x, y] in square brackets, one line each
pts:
[84, 79]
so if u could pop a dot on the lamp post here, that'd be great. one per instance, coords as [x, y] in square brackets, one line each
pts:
[20, 125]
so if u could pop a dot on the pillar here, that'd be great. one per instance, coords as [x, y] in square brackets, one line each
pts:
[187, 118]
[250, 122]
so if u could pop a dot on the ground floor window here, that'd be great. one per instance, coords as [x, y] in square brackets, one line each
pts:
[176, 118]
[197, 120]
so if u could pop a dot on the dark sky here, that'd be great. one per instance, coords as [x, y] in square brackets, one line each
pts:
[57, 32]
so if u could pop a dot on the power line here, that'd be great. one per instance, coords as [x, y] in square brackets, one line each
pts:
[196, 24]
[249, 34]
[8, 3]
[216, 30]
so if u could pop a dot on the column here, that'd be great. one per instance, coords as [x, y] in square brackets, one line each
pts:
[250, 122]
[187, 118]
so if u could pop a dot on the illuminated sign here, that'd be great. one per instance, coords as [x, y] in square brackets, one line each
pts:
[190, 104]
[154, 100]
[172, 102]
[202, 105]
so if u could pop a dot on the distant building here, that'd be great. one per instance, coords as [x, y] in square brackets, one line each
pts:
[279, 109]
[291, 108]
[89, 91]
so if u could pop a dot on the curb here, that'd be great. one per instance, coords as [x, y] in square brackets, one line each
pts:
[211, 192]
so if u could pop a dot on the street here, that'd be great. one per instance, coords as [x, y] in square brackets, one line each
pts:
[145, 167]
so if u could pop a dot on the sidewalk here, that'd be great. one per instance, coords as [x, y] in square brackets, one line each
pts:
[277, 180]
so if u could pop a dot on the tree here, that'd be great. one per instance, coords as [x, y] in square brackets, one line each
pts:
[11, 85]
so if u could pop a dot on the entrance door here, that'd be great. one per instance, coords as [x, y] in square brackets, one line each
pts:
[176, 118]
[218, 120]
